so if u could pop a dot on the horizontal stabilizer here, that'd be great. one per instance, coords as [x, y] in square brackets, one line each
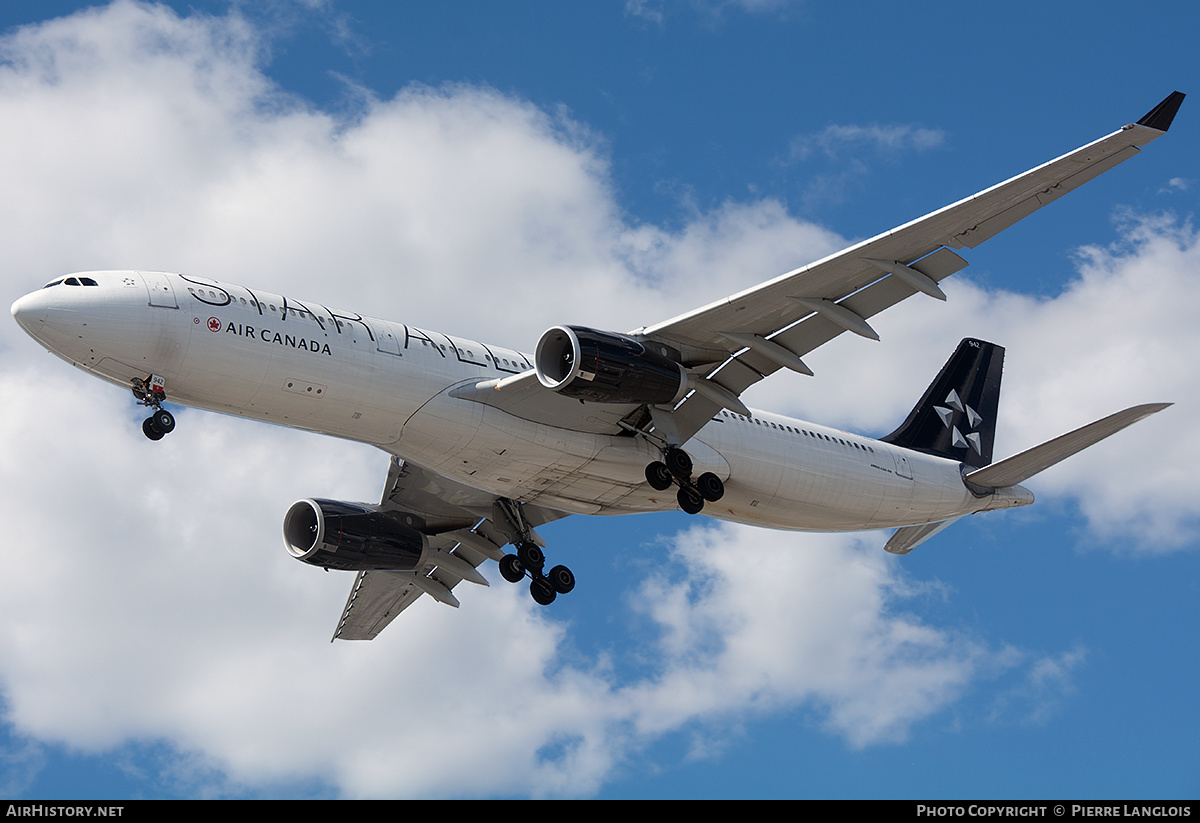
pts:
[1021, 467]
[909, 537]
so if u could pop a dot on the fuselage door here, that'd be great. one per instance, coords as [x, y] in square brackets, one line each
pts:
[903, 469]
[161, 292]
[386, 339]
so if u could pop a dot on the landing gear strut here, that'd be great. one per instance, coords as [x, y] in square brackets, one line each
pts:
[529, 560]
[150, 393]
[676, 467]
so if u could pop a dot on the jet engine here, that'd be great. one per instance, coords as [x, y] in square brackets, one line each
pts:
[351, 537]
[607, 367]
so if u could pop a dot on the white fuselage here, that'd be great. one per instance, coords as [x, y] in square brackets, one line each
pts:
[243, 352]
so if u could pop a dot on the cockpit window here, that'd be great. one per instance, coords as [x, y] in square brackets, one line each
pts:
[72, 281]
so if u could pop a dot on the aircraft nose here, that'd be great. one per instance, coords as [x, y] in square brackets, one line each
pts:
[30, 311]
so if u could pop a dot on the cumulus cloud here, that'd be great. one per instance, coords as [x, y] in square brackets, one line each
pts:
[811, 618]
[150, 600]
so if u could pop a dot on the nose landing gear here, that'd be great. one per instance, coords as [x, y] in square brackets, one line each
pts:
[150, 392]
[676, 467]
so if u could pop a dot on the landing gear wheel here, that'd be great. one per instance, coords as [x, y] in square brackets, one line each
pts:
[149, 430]
[542, 592]
[531, 557]
[511, 568]
[163, 420]
[561, 579]
[659, 476]
[710, 487]
[690, 499]
[678, 462]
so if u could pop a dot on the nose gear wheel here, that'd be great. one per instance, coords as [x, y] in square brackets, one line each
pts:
[149, 392]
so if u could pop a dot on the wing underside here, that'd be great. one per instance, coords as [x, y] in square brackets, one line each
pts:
[463, 526]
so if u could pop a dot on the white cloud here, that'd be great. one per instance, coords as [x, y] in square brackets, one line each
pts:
[150, 599]
[645, 10]
[766, 620]
[1048, 681]
[849, 151]
[709, 11]
[837, 140]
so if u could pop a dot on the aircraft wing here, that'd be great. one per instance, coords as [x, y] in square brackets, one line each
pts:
[754, 333]
[464, 527]
[729, 345]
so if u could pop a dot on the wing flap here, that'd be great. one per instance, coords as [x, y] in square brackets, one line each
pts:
[375, 599]
[747, 368]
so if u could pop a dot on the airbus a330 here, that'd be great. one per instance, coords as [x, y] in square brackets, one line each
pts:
[488, 443]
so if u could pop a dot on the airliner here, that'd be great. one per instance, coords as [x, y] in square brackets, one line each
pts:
[488, 443]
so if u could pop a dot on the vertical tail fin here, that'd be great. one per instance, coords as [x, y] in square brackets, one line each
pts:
[956, 417]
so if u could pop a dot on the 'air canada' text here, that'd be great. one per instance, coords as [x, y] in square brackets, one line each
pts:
[268, 336]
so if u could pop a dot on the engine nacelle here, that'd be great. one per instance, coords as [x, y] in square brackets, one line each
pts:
[606, 367]
[350, 536]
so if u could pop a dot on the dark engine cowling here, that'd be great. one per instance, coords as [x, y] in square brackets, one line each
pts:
[350, 536]
[606, 367]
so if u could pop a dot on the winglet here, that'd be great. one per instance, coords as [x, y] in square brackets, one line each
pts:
[1160, 116]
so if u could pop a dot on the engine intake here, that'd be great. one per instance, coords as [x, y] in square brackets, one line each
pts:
[350, 536]
[607, 367]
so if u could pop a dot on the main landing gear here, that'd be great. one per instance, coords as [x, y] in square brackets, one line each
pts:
[530, 560]
[150, 393]
[676, 467]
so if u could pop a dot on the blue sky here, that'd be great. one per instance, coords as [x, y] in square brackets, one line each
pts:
[610, 164]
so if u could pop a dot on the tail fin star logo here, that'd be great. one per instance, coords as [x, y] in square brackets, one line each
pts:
[958, 409]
